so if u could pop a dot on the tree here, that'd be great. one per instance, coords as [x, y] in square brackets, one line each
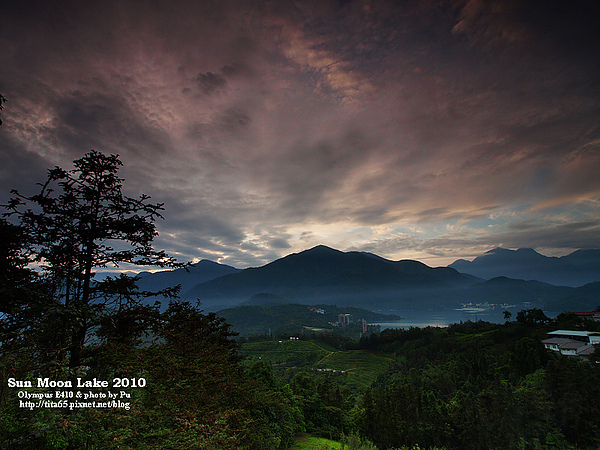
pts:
[81, 221]
[198, 394]
[28, 313]
[14, 274]
[532, 316]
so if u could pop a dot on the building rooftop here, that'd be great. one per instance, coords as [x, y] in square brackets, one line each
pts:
[557, 341]
[586, 350]
[572, 345]
[573, 333]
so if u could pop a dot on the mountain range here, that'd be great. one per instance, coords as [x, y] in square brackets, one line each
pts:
[187, 277]
[328, 276]
[575, 269]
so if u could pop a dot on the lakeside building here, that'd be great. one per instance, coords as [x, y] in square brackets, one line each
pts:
[344, 319]
[579, 344]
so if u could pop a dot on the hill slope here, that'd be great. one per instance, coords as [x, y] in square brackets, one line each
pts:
[292, 318]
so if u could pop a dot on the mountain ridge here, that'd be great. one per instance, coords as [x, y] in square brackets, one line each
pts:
[187, 277]
[576, 269]
[322, 273]
[358, 279]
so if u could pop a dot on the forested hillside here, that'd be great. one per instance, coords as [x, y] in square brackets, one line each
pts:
[292, 318]
[481, 385]
[473, 385]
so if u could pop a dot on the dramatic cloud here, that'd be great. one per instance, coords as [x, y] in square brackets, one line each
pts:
[429, 129]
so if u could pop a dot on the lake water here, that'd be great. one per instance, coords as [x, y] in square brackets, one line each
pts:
[443, 318]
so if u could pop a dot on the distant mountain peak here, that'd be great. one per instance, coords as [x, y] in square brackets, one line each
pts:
[497, 250]
[506, 251]
[208, 262]
[322, 249]
[527, 251]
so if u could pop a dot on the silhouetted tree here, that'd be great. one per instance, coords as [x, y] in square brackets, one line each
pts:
[78, 222]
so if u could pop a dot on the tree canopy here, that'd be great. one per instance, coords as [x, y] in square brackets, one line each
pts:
[78, 222]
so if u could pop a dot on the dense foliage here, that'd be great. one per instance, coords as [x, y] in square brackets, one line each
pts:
[197, 395]
[480, 386]
[474, 385]
[80, 221]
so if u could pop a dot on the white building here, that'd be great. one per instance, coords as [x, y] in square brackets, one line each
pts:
[590, 337]
[344, 319]
[579, 344]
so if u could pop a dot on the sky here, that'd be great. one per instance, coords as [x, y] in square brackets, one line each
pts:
[419, 129]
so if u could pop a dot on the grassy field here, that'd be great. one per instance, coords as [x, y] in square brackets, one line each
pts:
[357, 369]
[286, 352]
[361, 368]
[315, 443]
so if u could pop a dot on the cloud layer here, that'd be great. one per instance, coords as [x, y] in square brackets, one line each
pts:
[427, 130]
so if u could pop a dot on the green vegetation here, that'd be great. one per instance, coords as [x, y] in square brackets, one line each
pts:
[286, 352]
[469, 386]
[356, 369]
[481, 385]
[361, 368]
[316, 443]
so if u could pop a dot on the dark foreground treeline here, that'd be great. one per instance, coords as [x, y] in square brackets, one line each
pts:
[195, 394]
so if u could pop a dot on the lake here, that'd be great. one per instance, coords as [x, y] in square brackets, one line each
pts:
[445, 317]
